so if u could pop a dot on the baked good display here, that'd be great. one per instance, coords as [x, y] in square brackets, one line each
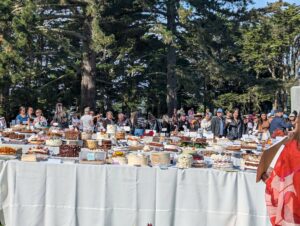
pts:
[186, 139]
[160, 158]
[54, 142]
[233, 148]
[86, 136]
[137, 159]
[71, 135]
[170, 147]
[92, 157]
[91, 144]
[106, 144]
[7, 151]
[7, 133]
[198, 161]
[120, 135]
[38, 150]
[249, 145]
[222, 161]
[119, 160]
[111, 129]
[101, 136]
[69, 150]
[29, 158]
[16, 136]
[36, 140]
[184, 161]
[250, 161]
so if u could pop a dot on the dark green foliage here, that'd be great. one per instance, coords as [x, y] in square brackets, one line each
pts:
[225, 56]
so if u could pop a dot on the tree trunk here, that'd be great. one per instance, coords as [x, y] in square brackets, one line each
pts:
[88, 87]
[88, 71]
[171, 58]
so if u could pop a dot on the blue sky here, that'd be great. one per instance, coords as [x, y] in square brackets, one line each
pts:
[263, 3]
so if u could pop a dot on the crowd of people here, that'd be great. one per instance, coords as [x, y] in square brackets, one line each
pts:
[230, 124]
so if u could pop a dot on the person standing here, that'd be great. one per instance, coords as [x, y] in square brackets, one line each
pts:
[86, 121]
[206, 123]
[278, 122]
[60, 116]
[109, 120]
[153, 123]
[218, 124]
[235, 127]
[122, 121]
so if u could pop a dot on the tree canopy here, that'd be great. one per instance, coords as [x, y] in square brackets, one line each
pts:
[155, 54]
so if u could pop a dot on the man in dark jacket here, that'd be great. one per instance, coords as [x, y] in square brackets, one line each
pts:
[218, 124]
[278, 122]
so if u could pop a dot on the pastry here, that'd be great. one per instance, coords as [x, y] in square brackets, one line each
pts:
[7, 151]
[160, 158]
[69, 150]
[137, 160]
[71, 135]
[54, 142]
[184, 161]
[91, 144]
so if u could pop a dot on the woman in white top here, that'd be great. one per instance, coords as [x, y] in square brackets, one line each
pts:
[86, 121]
[206, 122]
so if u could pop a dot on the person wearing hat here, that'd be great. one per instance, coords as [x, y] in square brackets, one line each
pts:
[218, 124]
[278, 122]
[196, 123]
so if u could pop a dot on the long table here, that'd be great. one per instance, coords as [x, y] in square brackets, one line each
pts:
[44, 194]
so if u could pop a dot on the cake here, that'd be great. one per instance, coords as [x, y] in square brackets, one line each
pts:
[119, 160]
[55, 142]
[7, 151]
[198, 161]
[233, 148]
[120, 135]
[184, 161]
[71, 135]
[111, 129]
[106, 144]
[250, 161]
[249, 145]
[38, 150]
[170, 147]
[28, 158]
[186, 139]
[69, 150]
[147, 148]
[86, 136]
[137, 160]
[160, 158]
[7, 133]
[222, 161]
[101, 135]
[15, 136]
[91, 144]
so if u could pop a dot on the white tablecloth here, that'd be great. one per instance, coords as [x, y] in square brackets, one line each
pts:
[41, 194]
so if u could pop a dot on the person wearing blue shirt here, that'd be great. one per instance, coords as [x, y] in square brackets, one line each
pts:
[22, 117]
[278, 122]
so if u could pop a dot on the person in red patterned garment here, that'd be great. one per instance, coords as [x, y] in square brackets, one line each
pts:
[283, 184]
